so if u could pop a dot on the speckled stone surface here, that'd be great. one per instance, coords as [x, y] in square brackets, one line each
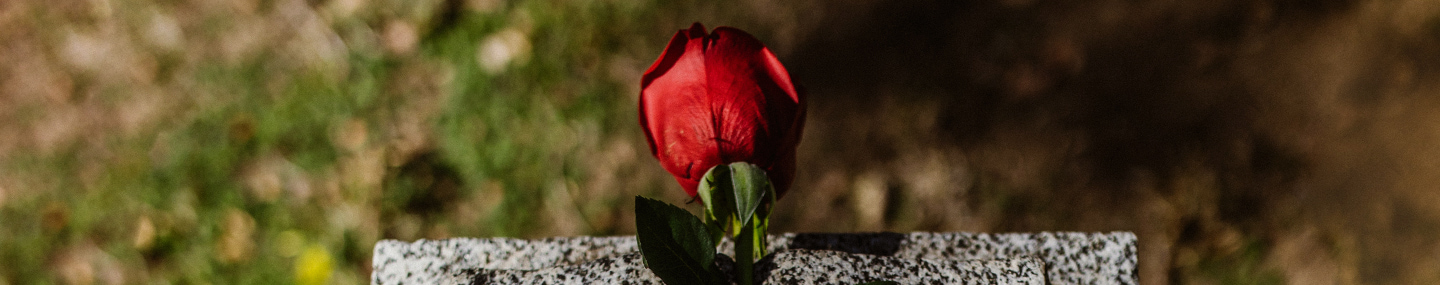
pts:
[1068, 258]
[627, 269]
[806, 266]
[446, 261]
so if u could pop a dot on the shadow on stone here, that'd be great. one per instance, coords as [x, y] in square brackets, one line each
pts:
[764, 267]
[883, 243]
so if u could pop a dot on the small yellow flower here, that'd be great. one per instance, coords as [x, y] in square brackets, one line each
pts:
[313, 267]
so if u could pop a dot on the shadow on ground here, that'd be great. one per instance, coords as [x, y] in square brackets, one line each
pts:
[1243, 140]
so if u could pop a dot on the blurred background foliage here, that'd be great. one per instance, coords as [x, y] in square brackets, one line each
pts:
[275, 141]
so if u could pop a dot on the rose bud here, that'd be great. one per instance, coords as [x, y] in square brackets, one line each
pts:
[712, 99]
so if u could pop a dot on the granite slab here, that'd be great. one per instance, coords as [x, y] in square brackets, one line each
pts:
[1064, 257]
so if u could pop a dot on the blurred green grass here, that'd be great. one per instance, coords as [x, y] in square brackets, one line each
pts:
[270, 142]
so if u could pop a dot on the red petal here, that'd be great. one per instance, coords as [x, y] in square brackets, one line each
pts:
[783, 170]
[673, 110]
[753, 97]
[667, 59]
[696, 30]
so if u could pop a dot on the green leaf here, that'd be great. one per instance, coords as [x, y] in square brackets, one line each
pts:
[758, 227]
[674, 243]
[715, 192]
[750, 186]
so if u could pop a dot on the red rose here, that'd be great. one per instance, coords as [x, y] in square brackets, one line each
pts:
[720, 98]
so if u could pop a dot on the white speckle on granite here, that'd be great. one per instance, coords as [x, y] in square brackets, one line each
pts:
[1067, 257]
